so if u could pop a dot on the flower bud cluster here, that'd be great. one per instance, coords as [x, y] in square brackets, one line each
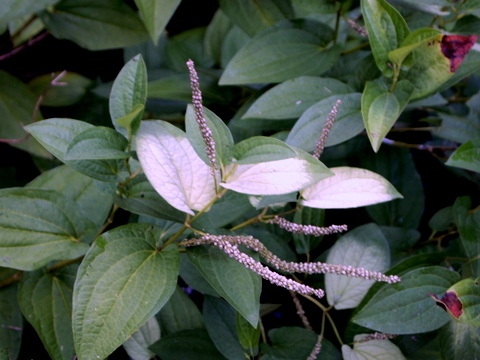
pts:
[306, 229]
[326, 130]
[377, 336]
[316, 349]
[231, 249]
[200, 114]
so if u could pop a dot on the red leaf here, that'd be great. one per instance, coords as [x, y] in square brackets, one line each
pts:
[449, 302]
[456, 47]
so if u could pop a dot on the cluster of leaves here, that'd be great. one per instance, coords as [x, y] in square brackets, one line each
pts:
[282, 66]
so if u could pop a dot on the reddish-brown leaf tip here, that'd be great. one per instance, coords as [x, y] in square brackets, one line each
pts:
[456, 47]
[449, 302]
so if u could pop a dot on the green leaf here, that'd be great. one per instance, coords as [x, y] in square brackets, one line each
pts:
[405, 307]
[467, 156]
[18, 8]
[56, 135]
[155, 15]
[131, 122]
[46, 302]
[73, 87]
[459, 341]
[381, 108]
[386, 31]
[291, 98]
[282, 52]
[257, 149]
[220, 132]
[173, 168]
[372, 350]
[193, 278]
[215, 35]
[17, 104]
[364, 247]
[95, 25]
[187, 45]
[276, 177]
[235, 283]
[468, 224]
[129, 91]
[179, 313]
[396, 165]
[137, 345]
[38, 226]
[79, 188]
[253, 17]
[220, 323]
[348, 122]
[349, 187]
[248, 335]
[192, 344]
[139, 197]
[125, 278]
[11, 316]
[97, 143]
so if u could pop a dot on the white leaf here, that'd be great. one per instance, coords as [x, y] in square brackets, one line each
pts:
[274, 177]
[350, 187]
[372, 350]
[173, 168]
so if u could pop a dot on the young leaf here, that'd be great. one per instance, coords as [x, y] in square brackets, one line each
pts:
[220, 132]
[122, 282]
[194, 344]
[405, 307]
[291, 98]
[467, 156]
[238, 285]
[155, 15]
[46, 301]
[93, 25]
[173, 168]
[220, 320]
[248, 335]
[348, 122]
[129, 91]
[386, 31]
[373, 349]
[381, 108]
[349, 187]
[38, 226]
[364, 247]
[137, 345]
[282, 52]
[98, 143]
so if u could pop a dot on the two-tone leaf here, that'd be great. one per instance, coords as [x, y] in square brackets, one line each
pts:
[173, 167]
[349, 187]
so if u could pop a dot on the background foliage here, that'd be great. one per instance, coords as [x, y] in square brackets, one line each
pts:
[88, 258]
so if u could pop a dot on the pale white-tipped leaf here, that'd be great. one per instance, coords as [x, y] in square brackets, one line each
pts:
[173, 168]
[275, 177]
[372, 350]
[348, 188]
